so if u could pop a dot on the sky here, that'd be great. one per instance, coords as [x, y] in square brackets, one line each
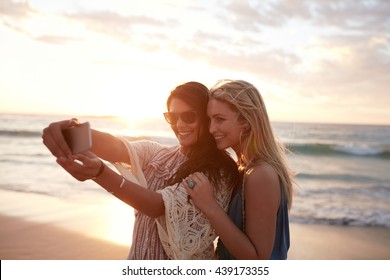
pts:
[312, 61]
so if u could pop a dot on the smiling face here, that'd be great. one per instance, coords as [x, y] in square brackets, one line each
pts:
[224, 125]
[186, 133]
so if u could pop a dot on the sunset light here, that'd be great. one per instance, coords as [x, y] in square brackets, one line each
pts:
[96, 75]
[110, 58]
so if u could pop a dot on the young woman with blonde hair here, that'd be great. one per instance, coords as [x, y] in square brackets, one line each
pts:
[256, 225]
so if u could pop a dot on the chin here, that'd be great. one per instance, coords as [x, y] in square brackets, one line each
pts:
[186, 142]
[222, 146]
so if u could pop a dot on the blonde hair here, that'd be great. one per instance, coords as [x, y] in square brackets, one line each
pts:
[258, 142]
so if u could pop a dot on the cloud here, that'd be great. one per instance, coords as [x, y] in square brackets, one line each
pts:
[104, 22]
[367, 16]
[57, 40]
[348, 51]
[354, 61]
[12, 14]
[114, 24]
[17, 10]
[255, 15]
[15, 28]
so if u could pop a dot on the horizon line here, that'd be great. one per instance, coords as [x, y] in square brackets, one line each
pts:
[158, 118]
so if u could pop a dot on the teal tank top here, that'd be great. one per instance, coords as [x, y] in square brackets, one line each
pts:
[282, 233]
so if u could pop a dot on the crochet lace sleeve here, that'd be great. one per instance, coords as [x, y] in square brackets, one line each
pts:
[140, 153]
[185, 232]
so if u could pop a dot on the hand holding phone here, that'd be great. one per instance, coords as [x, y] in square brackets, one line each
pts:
[78, 138]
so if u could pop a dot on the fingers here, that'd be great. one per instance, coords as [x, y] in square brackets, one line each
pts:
[90, 163]
[71, 167]
[202, 192]
[87, 159]
[193, 180]
[58, 137]
[186, 184]
[54, 140]
[80, 166]
[198, 177]
[73, 122]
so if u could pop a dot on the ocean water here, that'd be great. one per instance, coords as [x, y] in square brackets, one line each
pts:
[343, 171]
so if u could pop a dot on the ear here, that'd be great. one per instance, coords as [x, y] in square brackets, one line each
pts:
[246, 128]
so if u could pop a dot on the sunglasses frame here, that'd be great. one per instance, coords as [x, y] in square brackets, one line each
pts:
[172, 118]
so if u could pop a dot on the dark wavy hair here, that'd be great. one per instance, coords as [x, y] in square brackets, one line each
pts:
[203, 156]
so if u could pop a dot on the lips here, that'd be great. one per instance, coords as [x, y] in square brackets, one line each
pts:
[184, 133]
[218, 137]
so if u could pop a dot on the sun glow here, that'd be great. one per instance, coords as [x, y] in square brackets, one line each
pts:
[139, 99]
[119, 228]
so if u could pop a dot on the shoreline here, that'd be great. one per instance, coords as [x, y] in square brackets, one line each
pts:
[38, 227]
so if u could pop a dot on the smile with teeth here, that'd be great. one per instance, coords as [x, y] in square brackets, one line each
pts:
[184, 133]
[218, 137]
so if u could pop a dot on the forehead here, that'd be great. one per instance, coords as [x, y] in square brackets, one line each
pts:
[216, 107]
[178, 105]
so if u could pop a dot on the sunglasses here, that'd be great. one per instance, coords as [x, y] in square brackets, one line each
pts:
[188, 117]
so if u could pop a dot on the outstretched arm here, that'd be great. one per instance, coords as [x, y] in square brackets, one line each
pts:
[144, 200]
[104, 145]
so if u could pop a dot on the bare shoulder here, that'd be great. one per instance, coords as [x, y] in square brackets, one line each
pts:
[262, 173]
[262, 182]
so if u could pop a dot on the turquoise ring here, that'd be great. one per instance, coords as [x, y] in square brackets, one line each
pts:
[191, 184]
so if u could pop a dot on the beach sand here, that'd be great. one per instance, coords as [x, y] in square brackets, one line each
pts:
[330, 242]
[54, 230]
[25, 240]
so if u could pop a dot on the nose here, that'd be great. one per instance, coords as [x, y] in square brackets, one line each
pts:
[180, 123]
[212, 127]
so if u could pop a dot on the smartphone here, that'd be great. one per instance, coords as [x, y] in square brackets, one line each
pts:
[78, 138]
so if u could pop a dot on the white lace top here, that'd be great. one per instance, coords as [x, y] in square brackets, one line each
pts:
[183, 232]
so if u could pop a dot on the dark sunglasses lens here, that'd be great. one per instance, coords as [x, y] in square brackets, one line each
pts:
[170, 118]
[188, 117]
